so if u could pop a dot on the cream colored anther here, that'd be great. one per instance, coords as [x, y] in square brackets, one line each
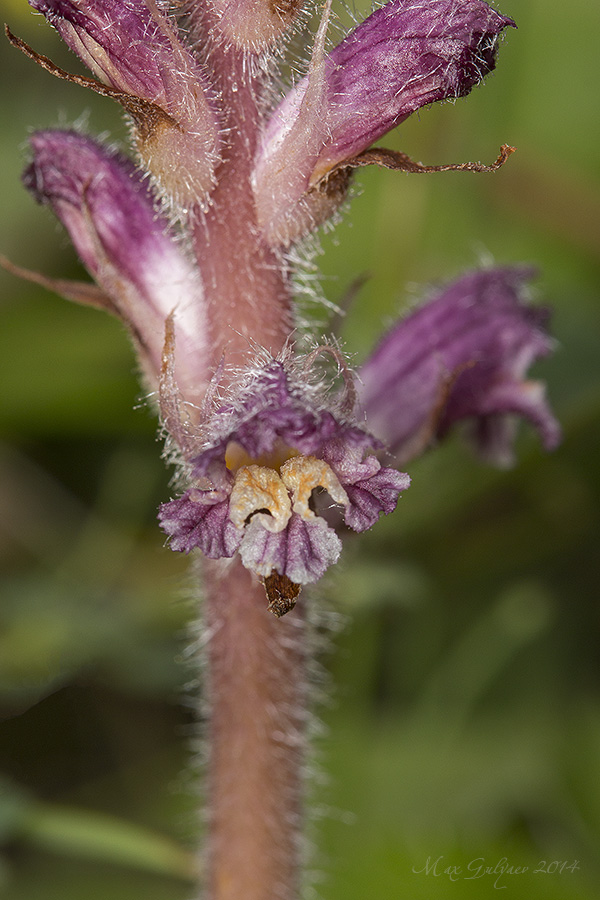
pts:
[258, 488]
[302, 474]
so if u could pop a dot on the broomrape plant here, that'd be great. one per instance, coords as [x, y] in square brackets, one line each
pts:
[194, 246]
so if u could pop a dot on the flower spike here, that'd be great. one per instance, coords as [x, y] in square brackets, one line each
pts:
[275, 461]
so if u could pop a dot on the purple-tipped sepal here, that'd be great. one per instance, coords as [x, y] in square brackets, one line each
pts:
[404, 56]
[271, 453]
[132, 46]
[463, 355]
[108, 210]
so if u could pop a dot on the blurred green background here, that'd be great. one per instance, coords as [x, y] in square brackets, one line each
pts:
[465, 713]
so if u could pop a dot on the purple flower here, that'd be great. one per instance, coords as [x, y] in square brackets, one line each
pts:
[463, 355]
[277, 440]
[406, 55]
[191, 252]
[110, 215]
[133, 47]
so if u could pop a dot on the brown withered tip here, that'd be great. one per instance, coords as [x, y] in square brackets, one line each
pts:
[336, 180]
[148, 116]
[281, 593]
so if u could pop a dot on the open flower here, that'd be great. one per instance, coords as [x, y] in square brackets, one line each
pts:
[277, 440]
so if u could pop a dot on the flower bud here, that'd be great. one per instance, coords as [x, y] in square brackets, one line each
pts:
[131, 46]
[109, 213]
[404, 56]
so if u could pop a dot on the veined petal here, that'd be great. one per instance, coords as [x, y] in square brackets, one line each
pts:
[375, 495]
[303, 552]
[109, 213]
[193, 523]
[404, 56]
[463, 355]
[132, 46]
[370, 488]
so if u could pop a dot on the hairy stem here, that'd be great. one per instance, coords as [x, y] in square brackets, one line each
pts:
[247, 284]
[257, 696]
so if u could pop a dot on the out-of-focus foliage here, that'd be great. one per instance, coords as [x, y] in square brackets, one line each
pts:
[467, 715]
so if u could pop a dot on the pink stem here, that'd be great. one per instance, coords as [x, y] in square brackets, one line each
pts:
[257, 694]
[247, 284]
